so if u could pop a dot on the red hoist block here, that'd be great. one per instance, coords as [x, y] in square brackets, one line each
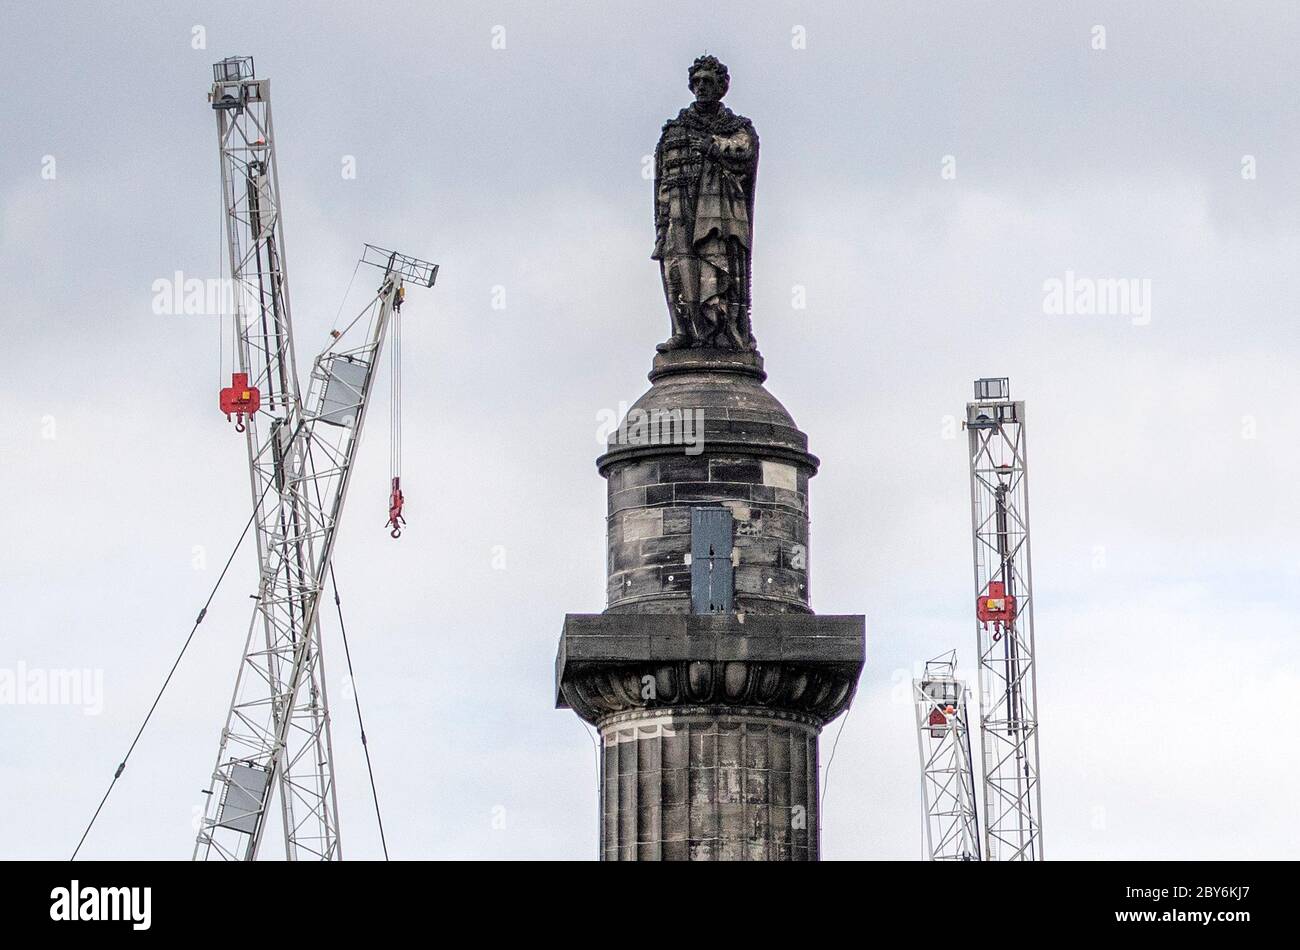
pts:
[395, 502]
[240, 399]
[996, 607]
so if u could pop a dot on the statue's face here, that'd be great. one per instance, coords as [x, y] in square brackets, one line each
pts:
[707, 86]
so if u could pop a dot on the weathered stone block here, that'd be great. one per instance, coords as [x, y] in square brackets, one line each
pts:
[683, 468]
[641, 523]
[735, 470]
[641, 473]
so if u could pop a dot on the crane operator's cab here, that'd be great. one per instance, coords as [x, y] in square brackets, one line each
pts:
[944, 694]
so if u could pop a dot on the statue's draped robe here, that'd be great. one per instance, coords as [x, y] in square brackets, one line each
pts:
[704, 210]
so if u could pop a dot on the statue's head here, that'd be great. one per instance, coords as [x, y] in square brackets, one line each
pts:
[708, 79]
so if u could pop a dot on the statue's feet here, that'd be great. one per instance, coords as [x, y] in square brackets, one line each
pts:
[674, 342]
[738, 340]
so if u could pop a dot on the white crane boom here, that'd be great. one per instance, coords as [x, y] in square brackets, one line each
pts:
[301, 454]
[1005, 624]
[947, 775]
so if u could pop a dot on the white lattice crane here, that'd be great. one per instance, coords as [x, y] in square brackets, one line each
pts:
[947, 775]
[1004, 610]
[301, 453]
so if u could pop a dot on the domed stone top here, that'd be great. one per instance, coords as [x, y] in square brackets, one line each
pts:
[707, 437]
[708, 399]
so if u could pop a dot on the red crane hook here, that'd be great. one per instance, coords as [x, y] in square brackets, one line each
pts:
[395, 502]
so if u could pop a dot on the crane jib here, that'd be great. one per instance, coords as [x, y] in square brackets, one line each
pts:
[277, 730]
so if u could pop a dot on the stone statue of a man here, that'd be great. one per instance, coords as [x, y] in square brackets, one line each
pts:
[705, 165]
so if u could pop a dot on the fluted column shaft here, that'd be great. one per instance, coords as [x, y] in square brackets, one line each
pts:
[731, 784]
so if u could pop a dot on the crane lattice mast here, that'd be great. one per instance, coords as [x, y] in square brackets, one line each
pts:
[1005, 628]
[947, 775]
[301, 453]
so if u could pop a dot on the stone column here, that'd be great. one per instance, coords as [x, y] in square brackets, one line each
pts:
[709, 723]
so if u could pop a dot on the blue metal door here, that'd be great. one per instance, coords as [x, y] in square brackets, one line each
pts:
[711, 574]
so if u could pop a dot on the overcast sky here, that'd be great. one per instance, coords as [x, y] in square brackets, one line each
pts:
[1163, 447]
